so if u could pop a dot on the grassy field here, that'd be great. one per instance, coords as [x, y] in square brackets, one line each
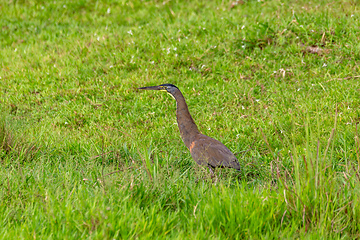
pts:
[85, 155]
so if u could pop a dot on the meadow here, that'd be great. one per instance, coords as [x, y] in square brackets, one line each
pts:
[84, 154]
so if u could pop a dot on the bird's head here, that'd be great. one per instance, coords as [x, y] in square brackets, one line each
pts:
[169, 88]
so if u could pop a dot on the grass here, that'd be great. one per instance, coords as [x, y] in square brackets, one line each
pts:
[85, 155]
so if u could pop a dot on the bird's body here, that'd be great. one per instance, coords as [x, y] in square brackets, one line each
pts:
[205, 150]
[210, 152]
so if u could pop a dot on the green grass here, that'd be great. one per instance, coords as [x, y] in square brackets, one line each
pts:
[85, 155]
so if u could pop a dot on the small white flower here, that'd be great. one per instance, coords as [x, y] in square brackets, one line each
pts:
[152, 62]
[298, 89]
[243, 26]
[242, 107]
[42, 7]
[257, 100]
[202, 66]
[274, 71]
[66, 123]
[190, 69]
[54, 66]
[312, 31]
[215, 46]
[98, 38]
[130, 32]
[108, 11]
[111, 66]
[325, 65]
[209, 128]
[352, 15]
[301, 26]
[243, 46]
[64, 6]
[176, 55]
[15, 50]
[175, 48]
[204, 28]
[146, 70]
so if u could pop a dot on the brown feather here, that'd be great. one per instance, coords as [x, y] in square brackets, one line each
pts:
[208, 151]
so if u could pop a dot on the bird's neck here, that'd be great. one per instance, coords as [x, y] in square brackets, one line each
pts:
[187, 126]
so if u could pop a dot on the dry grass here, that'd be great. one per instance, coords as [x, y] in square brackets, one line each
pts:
[14, 146]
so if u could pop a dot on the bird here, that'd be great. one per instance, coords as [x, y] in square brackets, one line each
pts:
[206, 151]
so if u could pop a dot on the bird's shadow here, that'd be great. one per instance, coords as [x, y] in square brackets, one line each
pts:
[219, 175]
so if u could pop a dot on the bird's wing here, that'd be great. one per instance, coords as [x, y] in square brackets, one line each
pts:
[209, 151]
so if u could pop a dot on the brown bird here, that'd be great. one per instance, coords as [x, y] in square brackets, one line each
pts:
[205, 150]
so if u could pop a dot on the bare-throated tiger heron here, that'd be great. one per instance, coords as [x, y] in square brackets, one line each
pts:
[205, 150]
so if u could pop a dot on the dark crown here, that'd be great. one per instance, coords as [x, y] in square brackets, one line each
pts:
[169, 85]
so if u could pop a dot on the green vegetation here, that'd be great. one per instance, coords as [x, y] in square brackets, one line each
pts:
[85, 155]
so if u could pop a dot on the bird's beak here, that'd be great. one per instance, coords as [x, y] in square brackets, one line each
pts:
[152, 88]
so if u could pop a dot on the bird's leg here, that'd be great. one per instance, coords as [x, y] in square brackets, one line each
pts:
[213, 175]
[211, 171]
